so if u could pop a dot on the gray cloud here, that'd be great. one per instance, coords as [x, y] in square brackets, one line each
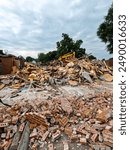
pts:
[30, 26]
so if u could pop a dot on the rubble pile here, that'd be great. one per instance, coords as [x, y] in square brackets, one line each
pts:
[73, 73]
[39, 124]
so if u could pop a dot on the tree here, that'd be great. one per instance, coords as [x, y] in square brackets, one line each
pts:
[67, 45]
[91, 57]
[64, 46]
[29, 59]
[1, 52]
[47, 57]
[41, 57]
[105, 30]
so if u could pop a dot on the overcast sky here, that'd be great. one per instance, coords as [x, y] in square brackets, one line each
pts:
[28, 27]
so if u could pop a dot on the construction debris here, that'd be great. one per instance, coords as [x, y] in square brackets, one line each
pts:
[40, 124]
[64, 112]
[73, 73]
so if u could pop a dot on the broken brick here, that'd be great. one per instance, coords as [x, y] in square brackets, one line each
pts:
[83, 140]
[74, 138]
[45, 135]
[66, 146]
[108, 136]
[68, 131]
[63, 121]
[21, 128]
[8, 134]
[2, 125]
[34, 133]
[94, 137]
[104, 115]
[14, 119]
[56, 135]
[66, 106]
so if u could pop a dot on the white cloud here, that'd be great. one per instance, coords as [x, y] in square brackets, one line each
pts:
[34, 26]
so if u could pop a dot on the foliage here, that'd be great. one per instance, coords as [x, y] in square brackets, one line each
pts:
[67, 45]
[91, 57]
[29, 59]
[47, 57]
[64, 46]
[1, 52]
[105, 30]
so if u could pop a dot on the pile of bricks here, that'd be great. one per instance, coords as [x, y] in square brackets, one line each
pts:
[74, 73]
[31, 125]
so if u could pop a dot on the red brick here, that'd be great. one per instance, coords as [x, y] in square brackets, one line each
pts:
[104, 115]
[68, 131]
[94, 137]
[2, 125]
[66, 106]
[107, 136]
[83, 140]
[21, 128]
[8, 134]
[63, 122]
[34, 133]
[66, 146]
[74, 138]
[91, 129]
[14, 119]
[45, 135]
[56, 135]
[35, 118]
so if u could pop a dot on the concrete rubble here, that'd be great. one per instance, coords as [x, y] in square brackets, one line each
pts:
[56, 121]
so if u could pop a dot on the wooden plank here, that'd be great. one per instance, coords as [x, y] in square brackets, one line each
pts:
[23, 144]
[15, 141]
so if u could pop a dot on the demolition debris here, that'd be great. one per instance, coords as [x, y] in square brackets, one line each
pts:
[59, 121]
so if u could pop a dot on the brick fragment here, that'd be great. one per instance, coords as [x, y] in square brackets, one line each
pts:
[35, 146]
[14, 119]
[86, 113]
[35, 118]
[83, 140]
[63, 122]
[66, 106]
[34, 133]
[21, 128]
[8, 134]
[6, 144]
[2, 125]
[66, 146]
[74, 138]
[104, 115]
[90, 129]
[68, 131]
[107, 136]
[56, 135]
[33, 125]
[88, 136]
[94, 137]
[12, 111]
[45, 135]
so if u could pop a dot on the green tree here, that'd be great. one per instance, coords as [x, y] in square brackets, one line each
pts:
[67, 45]
[29, 59]
[1, 52]
[105, 30]
[41, 57]
[47, 57]
[91, 57]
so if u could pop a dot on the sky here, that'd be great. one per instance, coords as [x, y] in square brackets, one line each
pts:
[29, 27]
